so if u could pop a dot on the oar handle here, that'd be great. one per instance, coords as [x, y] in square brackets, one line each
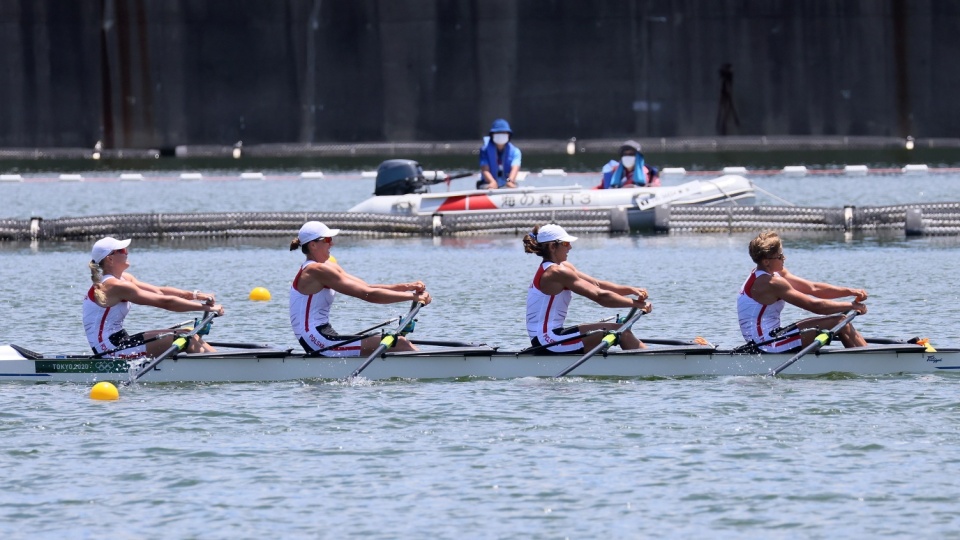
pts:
[823, 338]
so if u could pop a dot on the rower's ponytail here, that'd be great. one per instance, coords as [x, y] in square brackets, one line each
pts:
[96, 274]
[295, 243]
[530, 244]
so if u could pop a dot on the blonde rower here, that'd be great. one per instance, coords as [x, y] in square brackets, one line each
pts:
[114, 289]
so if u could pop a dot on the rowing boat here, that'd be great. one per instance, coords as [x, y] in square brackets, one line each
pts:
[255, 363]
[402, 189]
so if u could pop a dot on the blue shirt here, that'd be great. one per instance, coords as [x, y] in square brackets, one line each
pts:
[500, 163]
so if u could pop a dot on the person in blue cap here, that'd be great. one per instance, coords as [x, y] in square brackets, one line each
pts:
[499, 158]
[630, 170]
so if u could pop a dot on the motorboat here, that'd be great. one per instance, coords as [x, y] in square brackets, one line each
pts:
[402, 188]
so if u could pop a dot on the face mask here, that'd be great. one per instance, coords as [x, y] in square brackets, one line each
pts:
[628, 161]
[501, 138]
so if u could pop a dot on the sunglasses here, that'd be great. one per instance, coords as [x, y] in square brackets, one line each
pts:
[779, 257]
[562, 243]
[123, 251]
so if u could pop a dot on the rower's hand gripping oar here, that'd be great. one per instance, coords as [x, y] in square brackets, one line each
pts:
[389, 340]
[823, 338]
[612, 338]
[178, 345]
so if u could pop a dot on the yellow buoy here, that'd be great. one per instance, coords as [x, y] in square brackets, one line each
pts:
[332, 258]
[259, 294]
[104, 391]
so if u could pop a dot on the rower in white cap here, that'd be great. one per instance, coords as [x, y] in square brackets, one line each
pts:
[313, 289]
[114, 289]
[549, 295]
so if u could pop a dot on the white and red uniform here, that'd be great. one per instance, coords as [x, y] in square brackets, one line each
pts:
[546, 314]
[103, 323]
[757, 320]
[310, 320]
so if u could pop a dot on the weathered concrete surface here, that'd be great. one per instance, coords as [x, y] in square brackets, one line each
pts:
[162, 73]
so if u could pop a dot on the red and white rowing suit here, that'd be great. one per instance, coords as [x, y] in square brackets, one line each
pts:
[103, 323]
[310, 320]
[546, 314]
[757, 320]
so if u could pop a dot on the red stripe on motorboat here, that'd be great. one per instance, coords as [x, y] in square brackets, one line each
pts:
[453, 204]
[464, 202]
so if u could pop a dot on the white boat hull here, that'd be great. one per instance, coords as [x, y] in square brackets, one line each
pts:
[725, 190]
[481, 362]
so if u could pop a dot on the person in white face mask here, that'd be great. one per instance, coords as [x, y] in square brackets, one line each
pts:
[630, 170]
[499, 158]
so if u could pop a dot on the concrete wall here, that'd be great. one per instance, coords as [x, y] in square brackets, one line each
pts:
[160, 73]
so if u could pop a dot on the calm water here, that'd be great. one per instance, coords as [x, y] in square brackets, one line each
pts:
[730, 457]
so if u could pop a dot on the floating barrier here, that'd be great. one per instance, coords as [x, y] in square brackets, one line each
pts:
[788, 171]
[913, 220]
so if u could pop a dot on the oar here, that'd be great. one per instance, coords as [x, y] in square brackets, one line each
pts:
[440, 343]
[779, 331]
[363, 334]
[230, 345]
[822, 339]
[390, 339]
[753, 347]
[612, 338]
[659, 341]
[154, 338]
[384, 323]
[178, 345]
[561, 342]
[352, 339]
[923, 342]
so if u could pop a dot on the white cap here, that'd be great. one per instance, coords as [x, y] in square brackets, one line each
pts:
[106, 246]
[312, 230]
[549, 233]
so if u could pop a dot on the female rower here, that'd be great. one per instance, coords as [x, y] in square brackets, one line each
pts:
[114, 289]
[319, 279]
[551, 290]
[770, 287]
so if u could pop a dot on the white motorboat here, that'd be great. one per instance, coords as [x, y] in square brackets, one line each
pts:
[401, 189]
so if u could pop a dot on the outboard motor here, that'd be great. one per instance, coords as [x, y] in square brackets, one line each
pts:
[399, 177]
